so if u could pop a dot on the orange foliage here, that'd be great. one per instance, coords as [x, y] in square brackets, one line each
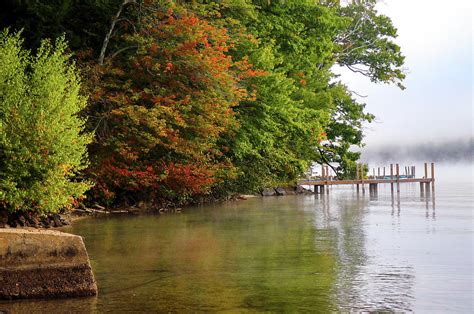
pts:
[170, 104]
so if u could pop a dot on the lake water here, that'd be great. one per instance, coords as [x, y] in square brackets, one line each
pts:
[341, 252]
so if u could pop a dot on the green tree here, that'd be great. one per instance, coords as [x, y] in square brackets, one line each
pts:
[42, 144]
[313, 118]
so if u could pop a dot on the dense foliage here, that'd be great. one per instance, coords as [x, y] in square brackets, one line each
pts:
[195, 97]
[42, 146]
[163, 109]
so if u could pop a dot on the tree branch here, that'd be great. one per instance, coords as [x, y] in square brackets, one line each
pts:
[111, 29]
[326, 161]
[122, 50]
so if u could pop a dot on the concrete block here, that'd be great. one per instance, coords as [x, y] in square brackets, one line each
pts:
[43, 264]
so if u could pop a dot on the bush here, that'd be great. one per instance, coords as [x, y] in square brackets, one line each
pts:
[42, 143]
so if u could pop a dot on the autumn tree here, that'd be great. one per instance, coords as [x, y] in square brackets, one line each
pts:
[161, 108]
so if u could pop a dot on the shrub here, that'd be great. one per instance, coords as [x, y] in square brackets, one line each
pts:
[42, 143]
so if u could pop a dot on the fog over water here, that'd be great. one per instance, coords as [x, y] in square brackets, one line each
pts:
[433, 117]
[461, 150]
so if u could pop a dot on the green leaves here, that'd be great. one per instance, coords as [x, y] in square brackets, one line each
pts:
[42, 144]
[233, 95]
[365, 44]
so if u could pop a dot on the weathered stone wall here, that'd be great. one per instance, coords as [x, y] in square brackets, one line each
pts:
[43, 264]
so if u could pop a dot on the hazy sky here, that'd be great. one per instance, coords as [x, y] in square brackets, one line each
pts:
[436, 38]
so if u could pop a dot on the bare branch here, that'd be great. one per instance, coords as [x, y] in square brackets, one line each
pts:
[122, 50]
[360, 95]
[325, 160]
[111, 29]
[357, 70]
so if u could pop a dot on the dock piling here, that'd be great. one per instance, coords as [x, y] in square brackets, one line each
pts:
[398, 177]
[391, 178]
[362, 178]
[432, 178]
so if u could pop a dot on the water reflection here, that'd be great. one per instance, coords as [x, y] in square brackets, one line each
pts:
[361, 284]
[337, 252]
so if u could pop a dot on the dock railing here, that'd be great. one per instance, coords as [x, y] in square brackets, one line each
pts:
[362, 177]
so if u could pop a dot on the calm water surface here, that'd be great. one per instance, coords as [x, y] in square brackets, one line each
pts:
[340, 252]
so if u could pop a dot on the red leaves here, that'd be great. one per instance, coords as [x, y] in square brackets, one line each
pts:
[190, 179]
[169, 67]
[170, 104]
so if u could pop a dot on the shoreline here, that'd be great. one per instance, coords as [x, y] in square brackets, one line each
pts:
[28, 221]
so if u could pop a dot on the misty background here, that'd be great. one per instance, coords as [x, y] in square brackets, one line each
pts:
[432, 118]
[449, 151]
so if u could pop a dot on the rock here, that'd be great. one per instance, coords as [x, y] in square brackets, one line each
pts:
[32, 220]
[12, 222]
[280, 191]
[45, 222]
[65, 222]
[268, 192]
[43, 264]
[57, 220]
[3, 219]
[301, 190]
[22, 221]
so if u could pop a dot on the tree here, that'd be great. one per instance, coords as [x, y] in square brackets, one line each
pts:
[301, 42]
[42, 143]
[162, 107]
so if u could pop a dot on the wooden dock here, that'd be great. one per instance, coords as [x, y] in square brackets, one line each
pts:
[361, 179]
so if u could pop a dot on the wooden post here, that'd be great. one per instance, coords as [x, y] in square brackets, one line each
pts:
[378, 172]
[432, 178]
[322, 172]
[384, 172]
[327, 178]
[391, 178]
[432, 172]
[398, 177]
[373, 172]
[414, 171]
[426, 170]
[357, 177]
[362, 178]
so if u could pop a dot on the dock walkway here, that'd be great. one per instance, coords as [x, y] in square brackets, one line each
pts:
[373, 181]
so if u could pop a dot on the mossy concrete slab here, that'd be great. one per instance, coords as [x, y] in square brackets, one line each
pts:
[43, 264]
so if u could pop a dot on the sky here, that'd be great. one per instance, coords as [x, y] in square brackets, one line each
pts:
[436, 106]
